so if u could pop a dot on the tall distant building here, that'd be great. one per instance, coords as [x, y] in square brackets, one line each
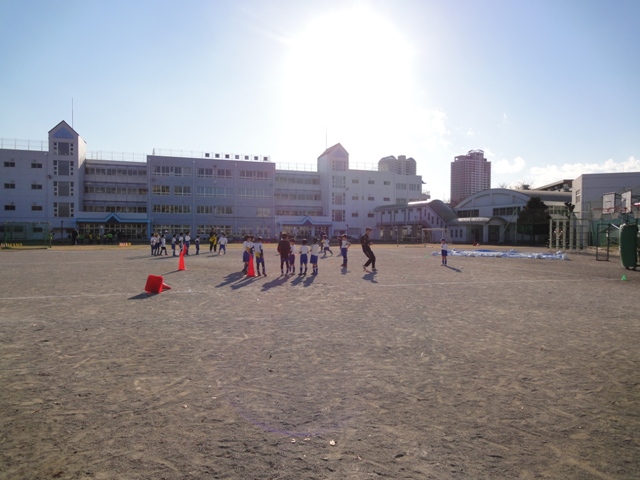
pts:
[401, 165]
[470, 173]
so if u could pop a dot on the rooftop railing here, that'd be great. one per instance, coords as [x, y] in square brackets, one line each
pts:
[18, 144]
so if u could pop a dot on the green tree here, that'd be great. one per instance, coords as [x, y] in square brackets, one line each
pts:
[533, 219]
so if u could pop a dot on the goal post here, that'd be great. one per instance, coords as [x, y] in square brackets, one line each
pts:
[434, 235]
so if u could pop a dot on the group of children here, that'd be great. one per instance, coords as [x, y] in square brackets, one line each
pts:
[288, 251]
[182, 241]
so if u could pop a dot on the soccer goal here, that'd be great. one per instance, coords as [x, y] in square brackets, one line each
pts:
[434, 235]
[25, 234]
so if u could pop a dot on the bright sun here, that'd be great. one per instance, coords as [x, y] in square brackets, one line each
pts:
[348, 72]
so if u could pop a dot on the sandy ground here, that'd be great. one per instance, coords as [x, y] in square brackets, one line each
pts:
[487, 368]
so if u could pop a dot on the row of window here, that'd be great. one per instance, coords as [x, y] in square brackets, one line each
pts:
[131, 172]
[297, 196]
[114, 208]
[298, 180]
[175, 171]
[60, 209]
[12, 164]
[186, 191]
[116, 190]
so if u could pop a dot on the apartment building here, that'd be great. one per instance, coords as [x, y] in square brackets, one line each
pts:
[470, 173]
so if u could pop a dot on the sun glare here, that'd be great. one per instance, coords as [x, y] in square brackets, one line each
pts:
[348, 72]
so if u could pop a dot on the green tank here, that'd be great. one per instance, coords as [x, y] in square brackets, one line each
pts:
[629, 246]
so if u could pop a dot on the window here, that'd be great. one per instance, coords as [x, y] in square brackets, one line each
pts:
[401, 186]
[370, 215]
[63, 189]
[36, 208]
[10, 185]
[263, 212]
[63, 167]
[179, 209]
[371, 198]
[387, 182]
[338, 181]
[386, 199]
[355, 197]
[10, 207]
[63, 148]
[354, 214]
[36, 186]
[36, 165]
[204, 209]
[222, 210]
[371, 182]
[10, 164]
[355, 180]
[337, 215]
[160, 190]
[61, 209]
[205, 172]
[414, 186]
[338, 198]
[182, 191]
[223, 173]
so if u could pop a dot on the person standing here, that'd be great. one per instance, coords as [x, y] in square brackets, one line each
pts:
[325, 245]
[259, 253]
[365, 241]
[180, 241]
[292, 256]
[315, 252]
[247, 247]
[213, 241]
[344, 246]
[444, 251]
[173, 244]
[187, 242]
[197, 242]
[163, 245]
[223, 244]
[304, 257]
[152, 242]
[284, 247]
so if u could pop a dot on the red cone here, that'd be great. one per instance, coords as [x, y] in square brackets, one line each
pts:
[251, 272]
[181, 261]
[155, 284]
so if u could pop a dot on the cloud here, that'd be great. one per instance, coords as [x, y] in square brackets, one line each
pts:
[505, 166]
[552, 173]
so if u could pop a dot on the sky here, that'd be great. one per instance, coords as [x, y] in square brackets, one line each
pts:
[549, 89]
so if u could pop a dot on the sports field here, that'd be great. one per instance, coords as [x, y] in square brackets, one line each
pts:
[487, 368]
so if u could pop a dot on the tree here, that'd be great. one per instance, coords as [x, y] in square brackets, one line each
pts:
[533, 218]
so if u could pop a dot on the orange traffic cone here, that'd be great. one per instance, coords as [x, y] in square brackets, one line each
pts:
[155, 284]
[251, 272]
[181, 261]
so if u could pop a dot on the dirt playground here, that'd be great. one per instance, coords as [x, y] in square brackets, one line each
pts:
[489, 368]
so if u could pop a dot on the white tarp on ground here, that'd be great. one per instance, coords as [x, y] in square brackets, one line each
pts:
[559, 255]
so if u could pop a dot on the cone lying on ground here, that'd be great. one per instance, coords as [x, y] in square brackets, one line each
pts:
[155, 284]
[624, 278]
[181, 261]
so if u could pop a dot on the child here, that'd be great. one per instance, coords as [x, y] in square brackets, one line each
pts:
[292, 257]
[173, 244]
[197, 242]
[247, 247]
[152, 240]
[180, 242]
[222, 242]
[163, 245]
[325, 244]
[284, 248]
[187, 242]
[344, 246]
[315, 251]
[304, 256]
[257, 248]
[443, 251]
